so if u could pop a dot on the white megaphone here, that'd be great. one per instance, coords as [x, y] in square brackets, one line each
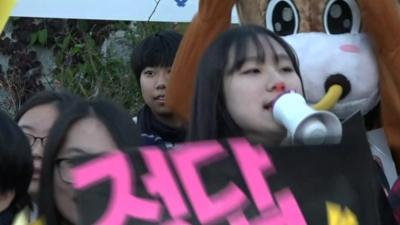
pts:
[305, 125]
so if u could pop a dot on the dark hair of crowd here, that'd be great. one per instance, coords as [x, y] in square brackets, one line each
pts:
[156, 50]
[16, 165]
[60, 99]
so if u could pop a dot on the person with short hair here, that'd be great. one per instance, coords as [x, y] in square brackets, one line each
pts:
[151, 63]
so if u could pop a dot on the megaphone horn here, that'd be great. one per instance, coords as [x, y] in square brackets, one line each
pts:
[305, 125]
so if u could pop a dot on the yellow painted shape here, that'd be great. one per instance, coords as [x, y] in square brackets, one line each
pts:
[6, 6]
[330, 99]
[339, 216]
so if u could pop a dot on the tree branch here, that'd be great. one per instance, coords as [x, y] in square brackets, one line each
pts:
[154, 10]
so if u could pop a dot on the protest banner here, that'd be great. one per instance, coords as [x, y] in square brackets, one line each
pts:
[233, 182]
[130, 10]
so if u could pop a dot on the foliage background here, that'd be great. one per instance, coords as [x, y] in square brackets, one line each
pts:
[80, 63]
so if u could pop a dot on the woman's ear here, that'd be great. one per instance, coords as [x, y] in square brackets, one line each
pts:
[252, 12]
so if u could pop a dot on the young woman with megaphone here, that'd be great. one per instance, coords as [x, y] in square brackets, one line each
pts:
[240, 78]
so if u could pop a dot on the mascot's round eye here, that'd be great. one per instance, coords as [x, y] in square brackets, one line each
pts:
[342, 16]
[282, 17]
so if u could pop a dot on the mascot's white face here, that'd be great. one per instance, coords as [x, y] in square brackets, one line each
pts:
[347, 59]
[326, 37]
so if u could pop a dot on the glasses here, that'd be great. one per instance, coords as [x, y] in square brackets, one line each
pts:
[32, 139]
[64, 170]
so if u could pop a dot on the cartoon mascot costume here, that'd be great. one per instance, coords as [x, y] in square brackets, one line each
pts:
[348, 53]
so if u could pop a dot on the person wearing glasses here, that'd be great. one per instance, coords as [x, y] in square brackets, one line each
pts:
[36, 117]
[87, 128]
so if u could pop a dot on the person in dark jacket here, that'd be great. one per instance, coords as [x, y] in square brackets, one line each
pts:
[151, 63]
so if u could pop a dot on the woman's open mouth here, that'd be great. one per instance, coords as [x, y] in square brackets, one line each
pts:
[268, 106]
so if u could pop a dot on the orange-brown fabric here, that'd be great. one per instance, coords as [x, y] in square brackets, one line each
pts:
[252, 12]
[382, 22]
[214, 17]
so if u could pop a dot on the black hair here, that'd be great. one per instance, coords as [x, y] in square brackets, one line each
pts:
[60, 99]
[210, 117]
[158, 49]
[16, 165]
[118, 122]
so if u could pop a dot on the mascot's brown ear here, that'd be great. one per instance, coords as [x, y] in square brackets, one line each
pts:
[382, 23]
[251, 12]
[213, 18]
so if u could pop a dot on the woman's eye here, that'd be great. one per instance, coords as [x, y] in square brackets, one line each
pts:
[148, 73]
[287, 69]
[251, 71]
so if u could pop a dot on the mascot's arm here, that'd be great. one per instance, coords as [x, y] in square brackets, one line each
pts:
[382, 23]
[214, 17]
